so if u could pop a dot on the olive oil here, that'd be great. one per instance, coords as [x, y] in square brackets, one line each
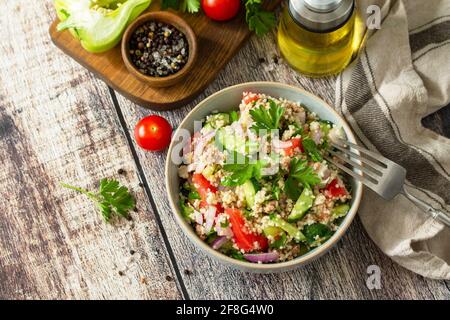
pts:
[317, 37]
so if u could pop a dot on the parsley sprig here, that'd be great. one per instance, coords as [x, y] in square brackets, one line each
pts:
[191, 6]
[241, 172]
[111, 198]
[311, 150]
[267, 119]
[299, 173]
[259, 20]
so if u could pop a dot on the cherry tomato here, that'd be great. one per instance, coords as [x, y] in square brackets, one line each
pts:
[221, 10]
[335, 189]
[203, 187]
[295, 143]
[153, 133]
[245, 240]
[249, 97]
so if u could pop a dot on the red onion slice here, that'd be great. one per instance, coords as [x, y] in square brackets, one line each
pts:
[262, 257]
[279, 144]
[316, 136]
[218, 242]
[210, 216]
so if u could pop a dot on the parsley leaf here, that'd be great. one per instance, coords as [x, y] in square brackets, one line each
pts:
[112, 199]
[267, 119]
[317, 230]
[238, 177]
[292, 188]
[311, 149]
[257, 19]
[190, 6]
[300, 171]
[241, 172]
[186, 209]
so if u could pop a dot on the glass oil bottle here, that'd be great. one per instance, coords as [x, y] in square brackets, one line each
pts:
[318, 37]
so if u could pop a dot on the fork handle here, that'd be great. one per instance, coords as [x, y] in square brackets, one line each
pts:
[436, 214]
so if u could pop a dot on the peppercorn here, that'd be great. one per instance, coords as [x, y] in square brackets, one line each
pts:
[158, 49]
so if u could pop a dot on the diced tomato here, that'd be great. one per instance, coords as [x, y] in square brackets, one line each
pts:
[335, 189]
[295, 143]
[249, 97]
[203, 187]
[245, 240]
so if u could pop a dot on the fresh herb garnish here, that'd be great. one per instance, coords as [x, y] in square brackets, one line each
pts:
[191, 6]
[225, 224]
[267, 119]
[112, 199]
[241, 172]
[186, 210]
[300, 173]
[292, 188]
[311, 150]
[234, 116]
[236, 254]
[317, 233]
[193, 195]
[258, 20]
[298, 130]
[189, 190]
[300, 170]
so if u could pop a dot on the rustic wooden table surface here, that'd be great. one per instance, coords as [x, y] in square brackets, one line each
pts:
[59, 123]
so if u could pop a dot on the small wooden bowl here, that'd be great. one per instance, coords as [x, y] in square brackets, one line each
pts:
[171, 19]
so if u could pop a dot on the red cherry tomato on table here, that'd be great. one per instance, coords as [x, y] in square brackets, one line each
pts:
[153, 133]
[221, 10]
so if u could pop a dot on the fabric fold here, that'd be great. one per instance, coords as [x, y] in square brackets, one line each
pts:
[402, 75]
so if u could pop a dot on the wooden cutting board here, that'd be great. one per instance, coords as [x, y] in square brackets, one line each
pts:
[218, 42]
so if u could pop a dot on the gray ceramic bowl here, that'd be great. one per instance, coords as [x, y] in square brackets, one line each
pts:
[227, 100]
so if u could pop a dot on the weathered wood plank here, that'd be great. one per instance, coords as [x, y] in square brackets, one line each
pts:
[340, 274]
[57, 123]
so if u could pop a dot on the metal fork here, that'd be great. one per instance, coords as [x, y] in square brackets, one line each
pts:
[382, 175]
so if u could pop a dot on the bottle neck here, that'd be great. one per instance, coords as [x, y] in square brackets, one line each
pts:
[321, 15]
[323, 5]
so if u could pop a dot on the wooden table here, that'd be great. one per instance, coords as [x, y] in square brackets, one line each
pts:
[59, 123]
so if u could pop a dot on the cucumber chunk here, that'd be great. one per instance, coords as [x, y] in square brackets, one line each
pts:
[249, 193]
[292, 230]
[340, 210]
[233, 142]
[278, 236]
[217, 120]
[303, 204]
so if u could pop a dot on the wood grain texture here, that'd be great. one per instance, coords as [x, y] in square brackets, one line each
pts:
[341, 274]
[57, 123]
[217, 44]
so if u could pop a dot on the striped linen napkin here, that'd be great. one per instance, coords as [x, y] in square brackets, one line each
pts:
[402, 75]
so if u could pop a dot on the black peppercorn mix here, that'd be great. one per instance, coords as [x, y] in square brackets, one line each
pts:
[158, 49]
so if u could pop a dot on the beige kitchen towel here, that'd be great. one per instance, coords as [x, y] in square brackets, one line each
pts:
[402, 75]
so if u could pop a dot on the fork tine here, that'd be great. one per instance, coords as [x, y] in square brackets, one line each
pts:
[374, 155]
[369, 162]
[353, 174]
[367, 170]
